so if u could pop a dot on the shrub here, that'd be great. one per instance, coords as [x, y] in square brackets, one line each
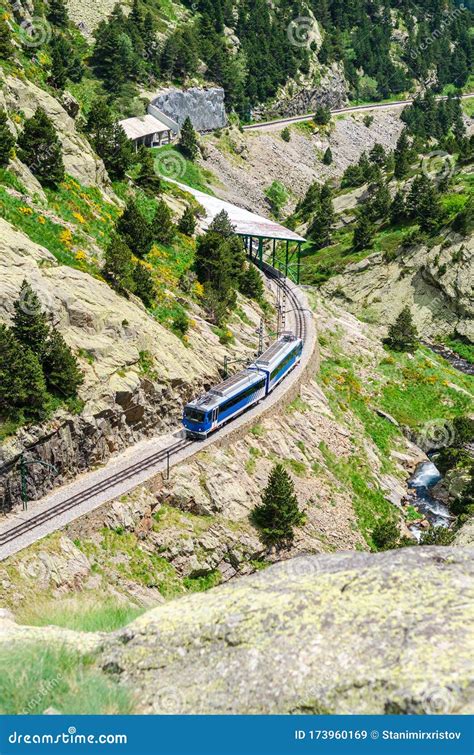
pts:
[286, 134]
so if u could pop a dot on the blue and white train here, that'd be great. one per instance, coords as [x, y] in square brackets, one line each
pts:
[236, 394]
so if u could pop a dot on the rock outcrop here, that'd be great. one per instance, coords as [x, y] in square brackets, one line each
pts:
[22, 96]
[435, 283]
[345, 633]
[204, 106]
[331, 92]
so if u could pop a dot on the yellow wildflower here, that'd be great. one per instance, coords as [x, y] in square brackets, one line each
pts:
[81, 255]
[41, 219]
[26, 211]
[79, 217]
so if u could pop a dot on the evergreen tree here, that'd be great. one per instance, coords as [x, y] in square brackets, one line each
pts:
[30, 325]
[397, 208]
[322, 115]
[109, 139]
[379, 201]
[60, 366]
[309, 204]
[164, 230]
[251, 284]
[279, 513]
[6, 47]
[22, 384]
[320, 229]
[188, 143]
[40, 149]
[422, 203]
[220, 262]
[402, 156]
[187, 222]
[135, 230]
[118, 265]
[402, 334]
[59, 62]
[377, 155]
[143, 284]
[57, 13]
[147, 178]
[327, 159]
[7, 140]
[363, 232]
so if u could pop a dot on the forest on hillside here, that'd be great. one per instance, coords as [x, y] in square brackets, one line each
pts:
[252, 47]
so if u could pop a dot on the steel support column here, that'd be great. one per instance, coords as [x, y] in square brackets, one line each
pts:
[260, 253]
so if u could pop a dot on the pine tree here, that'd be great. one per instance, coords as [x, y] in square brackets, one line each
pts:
[422, 203]
[327, 159]
[320, 229]
[22, 385]
[397, 208]
[118, 265]
[143, 284]
[6, 47]
[40, 149]
[377, 155]
[279, 513]
[135, 231]
[386, 535]
[59, 62]
[251, 284]
[379, 201]
[7, 140]
[402, 156]
[109, 139]
[188, 143]
[363, 232]
[187, 222]
[164, 229]
[147, 178]
[220, 262]
[322, 115]
[402, 334]
[30, 325]
[57, 13]
[60, 366]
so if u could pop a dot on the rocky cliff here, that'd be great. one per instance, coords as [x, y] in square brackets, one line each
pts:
[435, 282]
[204, 106]
[349, 633]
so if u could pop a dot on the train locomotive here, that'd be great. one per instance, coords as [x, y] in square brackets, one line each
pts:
[236, 394]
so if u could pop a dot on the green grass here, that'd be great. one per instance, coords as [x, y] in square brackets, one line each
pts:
[171, 163]
[8, 178]
[464, 349]
[424, 388]
[368, 500]
[203, 582]
[81, 615]
[36, 677]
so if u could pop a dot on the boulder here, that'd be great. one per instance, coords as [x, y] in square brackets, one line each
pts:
[346, 633]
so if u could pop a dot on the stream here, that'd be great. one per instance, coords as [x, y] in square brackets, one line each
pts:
[427, 475]
[420, 484]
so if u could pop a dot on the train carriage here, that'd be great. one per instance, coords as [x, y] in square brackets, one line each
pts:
[224, 402]
[278, 360]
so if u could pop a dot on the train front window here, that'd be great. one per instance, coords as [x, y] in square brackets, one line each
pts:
[194, 414]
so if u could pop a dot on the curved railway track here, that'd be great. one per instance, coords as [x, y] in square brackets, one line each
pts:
[162, 455]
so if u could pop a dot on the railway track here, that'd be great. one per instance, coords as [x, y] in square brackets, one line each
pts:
[163, 454]
[84, 495]
[340, 111]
